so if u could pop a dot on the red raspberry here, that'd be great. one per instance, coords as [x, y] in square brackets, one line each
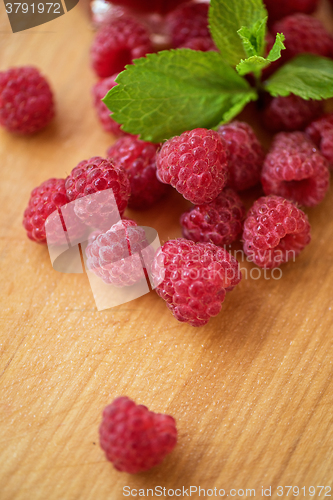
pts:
[108, 253]
[194, 279]
[94, 175]
[282, 8]
[26, 101]
[218, 222]
[290, 113]
[44, 200]
[275, 231]
[245, 155]
[99, 90]
[195, 163]
[200, 43]
[321, 133]
[160, 6]
[139, 160]
[188, 21]
[295, 170]
[117, 43]
[304, 34]
[135, 439]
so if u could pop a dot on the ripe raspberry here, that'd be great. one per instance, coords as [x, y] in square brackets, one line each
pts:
[194, 278]
[282, 8]
[218, 222]
[304, 34]
[160, 6]
[44, 200]
[290, 113]
[188, 21]
[295, 170]
[135, 439]
[116, 44]
[275, 231]
[26, 101]
[139, 160]
[99, 90]
[97, 175]
[245, 155]
[321, 133]
[200, 43]
[195, 163]
[114, 256]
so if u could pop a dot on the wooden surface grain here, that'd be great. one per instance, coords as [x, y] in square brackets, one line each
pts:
[252, 392]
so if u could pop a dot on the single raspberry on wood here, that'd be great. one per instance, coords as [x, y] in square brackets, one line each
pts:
[114, 256]
[195, 163]
[245, 155]
[135, 439]
[91, 177]
[194, 278]
[282, 8]
[44, 200]
[304, 34]
[321, 133]
[187, 22]
[295, 170]
[275, 232]
[139, 160]
[218, 222]
[290, 113]
[26, 100]
[117, 43]
[99, 90]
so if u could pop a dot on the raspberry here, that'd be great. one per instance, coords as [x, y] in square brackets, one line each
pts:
[139, 160]
[321, 133]
[275, 231]
[188, 21]
[99, 90]
[135, 439]
[200, 43]
[26, 101]
[290, 113]
[108, 253]
[282, 8]
[96, 175]
[218, 222]
[194, 278]
[245, 155]
[295, 170]
[160, 6]
[44, 200]
[195, 163]
[304, 34]
[117, 43]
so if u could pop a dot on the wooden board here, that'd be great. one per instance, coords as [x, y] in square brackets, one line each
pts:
[252, 392]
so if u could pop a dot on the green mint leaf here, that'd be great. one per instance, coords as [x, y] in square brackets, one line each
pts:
[255, 64]
[227, 17]
[308, 76]
[164, 94]
[254, 39]
[275, 52]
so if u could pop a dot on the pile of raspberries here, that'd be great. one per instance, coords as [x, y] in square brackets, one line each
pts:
[210, 168]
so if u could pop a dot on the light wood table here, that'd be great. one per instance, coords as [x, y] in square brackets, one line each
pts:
[252, 392]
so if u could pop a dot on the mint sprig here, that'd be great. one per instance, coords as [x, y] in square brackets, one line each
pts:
[164, 94]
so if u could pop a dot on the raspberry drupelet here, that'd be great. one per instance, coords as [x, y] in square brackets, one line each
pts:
[275, 231]
[117, 43]
[114, 256]
[195, 163]
[135, 439]
[26, 100]
[282, 8]
[291, 113]
[99, 90]
[93, 176]
[194, 278]
[187, 22]
[139, 160]
[321, 133]
[295, 170]
[218, 222]
[245, 155]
